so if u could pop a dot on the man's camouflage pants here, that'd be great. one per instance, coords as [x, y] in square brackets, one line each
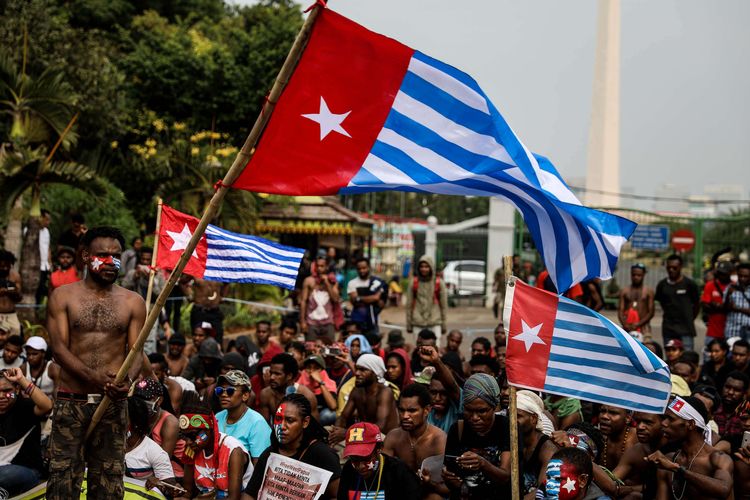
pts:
[103, 454]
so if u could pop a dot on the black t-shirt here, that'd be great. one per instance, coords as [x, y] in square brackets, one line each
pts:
[318, 454]
[397, 482]
[14, 425]
[677, 301]
[490, 446]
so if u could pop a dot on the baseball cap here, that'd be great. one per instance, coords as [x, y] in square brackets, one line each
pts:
[234, 377]
[209, 349]
[674, 344]
[37, 343]
[361, 439]
[725, 266]
[176, 339]
[315, 359]
[148, 388]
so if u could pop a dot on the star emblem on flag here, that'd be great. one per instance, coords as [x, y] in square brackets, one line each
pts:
[570, 485]
[529, 336]
[181, 239]
[328, 121]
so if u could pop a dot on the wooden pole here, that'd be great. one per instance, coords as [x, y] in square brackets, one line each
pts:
[512, 410]
[244, 155]
[154, 255]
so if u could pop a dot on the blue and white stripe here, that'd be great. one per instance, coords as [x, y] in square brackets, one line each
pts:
[241, 258]
[444, 136]
[593, 359]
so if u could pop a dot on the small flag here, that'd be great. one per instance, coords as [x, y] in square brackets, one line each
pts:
[559, 346]
[226, 256]
[364, 113]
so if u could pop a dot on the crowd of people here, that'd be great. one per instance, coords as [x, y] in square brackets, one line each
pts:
[388, 414]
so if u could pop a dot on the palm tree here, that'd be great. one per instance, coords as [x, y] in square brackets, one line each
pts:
[41, 112]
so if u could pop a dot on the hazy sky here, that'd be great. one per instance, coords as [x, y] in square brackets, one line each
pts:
[685, 109]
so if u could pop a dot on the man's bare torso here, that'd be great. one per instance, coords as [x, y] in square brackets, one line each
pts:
[367, 407]
[414, 451]
[207, 293]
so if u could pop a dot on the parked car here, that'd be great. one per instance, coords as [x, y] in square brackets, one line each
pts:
[464, 277]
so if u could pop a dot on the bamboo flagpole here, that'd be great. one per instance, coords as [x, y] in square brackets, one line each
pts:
[154, 255]
[513, 409]
[244, 155]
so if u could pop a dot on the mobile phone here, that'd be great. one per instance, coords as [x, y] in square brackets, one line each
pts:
[745, 439]
[334, 351]
[451, 463]
[171, 489]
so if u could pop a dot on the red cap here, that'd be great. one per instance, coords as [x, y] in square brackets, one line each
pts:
[677, 344]
[361, 439]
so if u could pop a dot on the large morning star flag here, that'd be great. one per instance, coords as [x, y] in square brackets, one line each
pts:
[222, 255]
[559, 346]
[363, 112]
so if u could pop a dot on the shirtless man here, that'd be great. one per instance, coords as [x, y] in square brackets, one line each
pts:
[638, 474]
[10, 293]
[176, 358]
[92, 325]
[696, 469]
[206, 297]
[284, 371]
[371, 399]
[614, 422]
[416, 439]
[319, 294]
[640, 299]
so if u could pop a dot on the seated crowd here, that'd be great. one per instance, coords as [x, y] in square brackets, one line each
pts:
[391, 420]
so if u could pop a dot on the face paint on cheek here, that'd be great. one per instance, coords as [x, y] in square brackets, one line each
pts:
[569, 482]
[552, 486]
[373, 464]
[97, 263]
[278, 420]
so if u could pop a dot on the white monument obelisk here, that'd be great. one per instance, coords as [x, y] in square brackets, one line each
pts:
[603, 169]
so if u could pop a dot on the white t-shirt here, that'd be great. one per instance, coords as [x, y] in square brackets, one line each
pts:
[16, 364]
[44, 249]
[148, 459]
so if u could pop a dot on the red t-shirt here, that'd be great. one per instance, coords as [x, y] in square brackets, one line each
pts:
[63, 277]
[713, 293]
[574, 292]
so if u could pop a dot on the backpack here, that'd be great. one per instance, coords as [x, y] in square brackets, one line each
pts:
[435, 295]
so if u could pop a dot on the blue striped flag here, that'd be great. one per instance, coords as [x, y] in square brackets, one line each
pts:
[559, 346]
[225, 256]
[365, 113]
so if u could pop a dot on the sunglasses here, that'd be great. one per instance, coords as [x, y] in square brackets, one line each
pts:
[221, 390]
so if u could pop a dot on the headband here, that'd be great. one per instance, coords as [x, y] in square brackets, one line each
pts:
[195, 421]
[582, 441]
[685, 411]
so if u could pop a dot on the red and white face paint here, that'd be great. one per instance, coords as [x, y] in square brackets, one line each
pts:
[98, 262]
[278, 421]
[563, 481]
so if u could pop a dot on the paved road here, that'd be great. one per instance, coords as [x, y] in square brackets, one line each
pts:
[479, 321]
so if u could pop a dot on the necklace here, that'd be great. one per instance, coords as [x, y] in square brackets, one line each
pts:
[379, 477]
[684, 481]
[622, 448]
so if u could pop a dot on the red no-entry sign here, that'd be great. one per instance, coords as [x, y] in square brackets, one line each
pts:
[683, 240]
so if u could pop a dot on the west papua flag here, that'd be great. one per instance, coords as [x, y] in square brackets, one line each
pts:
[222, 255]
[363, 113]
[559, 346]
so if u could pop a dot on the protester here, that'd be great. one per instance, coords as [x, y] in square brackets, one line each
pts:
[567, 411]
[12, 353]
[426, 300]
[717, 367]
[398, 368]
[733, 393]
[741, 356]
[130, 256]
[206, 297]
[92, 324]
[38, 369]
[10, 292]
[372, 399]
[618, 434]
[445, 392]
[483, 364]
[673, 350]
[570, 471]
[737, 298]
[263, 338]
[636, 305]
[297, 435]
[425, 338]
[175, 357]
[680, 301]
[357, 345]
[480, 444]
[144, 459]
[220, 463]
[537, 448]
[72, 237]
[203, 368]
[369, 473]
[200, 332]
[315, 378]
[283, 375]
[367, 293]
[696, 469]
[320, 294]
[287, 333]
[236, 419]
[66, 271]
[21, 466]
[171, 387]
[713, 303]
[453, 343]
[396, 340]
[415, 439]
